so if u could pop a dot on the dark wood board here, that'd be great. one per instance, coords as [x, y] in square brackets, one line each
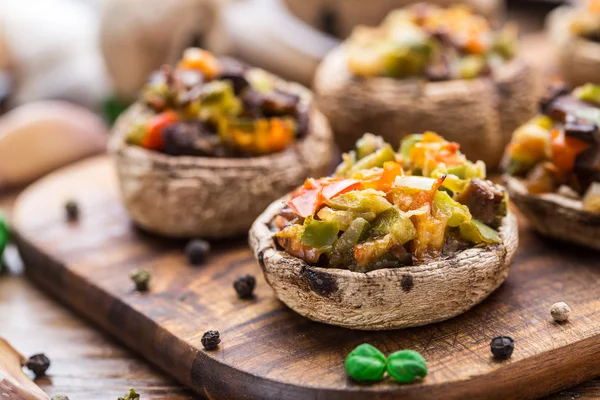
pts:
[268, 351]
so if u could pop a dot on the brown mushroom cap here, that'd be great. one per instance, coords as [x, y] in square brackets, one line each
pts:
[556, 216]
[212, 197]
[389, 298]
[579, 58]
[480, 114]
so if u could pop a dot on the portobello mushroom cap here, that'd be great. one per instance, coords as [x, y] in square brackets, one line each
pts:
[480, 114]
[389, 298]
[579, 58]
[554, 215]
[186, 196]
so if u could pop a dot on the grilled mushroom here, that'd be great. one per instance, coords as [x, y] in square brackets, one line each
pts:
[579, 58]
[479, 113]
[388, 298]
[211, 197]
[556, 215]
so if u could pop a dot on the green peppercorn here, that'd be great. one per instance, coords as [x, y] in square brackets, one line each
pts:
[132, 395]
[141, 278]
[365, 363]
[406, 365]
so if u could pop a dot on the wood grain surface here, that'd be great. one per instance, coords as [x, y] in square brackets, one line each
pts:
[267, 350]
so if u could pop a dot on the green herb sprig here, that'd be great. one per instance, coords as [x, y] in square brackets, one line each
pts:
[366, 363]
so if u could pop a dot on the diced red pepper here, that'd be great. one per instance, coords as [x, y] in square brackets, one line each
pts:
[307, 199]
[305, 204]
[391, 170]
[565, 150]
[339, 187]
[153, 137]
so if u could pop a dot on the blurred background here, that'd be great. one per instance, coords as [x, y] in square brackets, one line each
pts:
[68, 67]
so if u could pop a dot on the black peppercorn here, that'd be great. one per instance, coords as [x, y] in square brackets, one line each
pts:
[141, 278]
[197, 250]
[502, 347]
[244, 286]
[60, 397]
[211, 340]
[38, 364]
[72, 210]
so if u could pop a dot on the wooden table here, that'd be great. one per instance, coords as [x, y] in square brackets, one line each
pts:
[89, 365]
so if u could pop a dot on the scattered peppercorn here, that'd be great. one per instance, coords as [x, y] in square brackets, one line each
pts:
[244, 286]
[38, 364]
[560, 311]
[60, 397]
[141, 278]
[211, 340]
[132, 395]
[502, 347]
[197, 250]
[72, 210]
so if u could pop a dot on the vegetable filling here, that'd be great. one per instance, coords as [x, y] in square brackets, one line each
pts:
[217, 108]
[387, 209]
[559, 149]
[425, 40]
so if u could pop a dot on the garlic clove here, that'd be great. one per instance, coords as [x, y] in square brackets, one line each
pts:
[38, 137]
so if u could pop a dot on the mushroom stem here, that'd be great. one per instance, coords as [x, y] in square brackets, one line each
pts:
[14, 383]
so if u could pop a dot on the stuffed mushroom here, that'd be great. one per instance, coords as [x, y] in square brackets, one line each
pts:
[428, 67]
[576, 30]
[553, 166]
[210, 143]
[338, 17]
[392, 240]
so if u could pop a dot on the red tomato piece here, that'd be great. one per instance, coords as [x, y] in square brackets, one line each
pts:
[153, 137]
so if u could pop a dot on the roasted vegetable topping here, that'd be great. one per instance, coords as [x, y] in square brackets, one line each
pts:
[219, 108]
[425, 40]
[561, 146]
[384, 209]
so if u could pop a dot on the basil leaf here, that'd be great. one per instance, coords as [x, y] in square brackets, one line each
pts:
[365, 363]
[406, 365]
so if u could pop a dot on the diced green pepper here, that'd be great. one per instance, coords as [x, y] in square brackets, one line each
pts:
[219, 101]
[394, 222]
[343, 248]
[385, 261]
[471, 67]
[588, 92]
[319, 234]
[368, 144]
[343, 217]
[360, 201]
[407, 145]
[375, 159]
[477, 232]
[456, 212]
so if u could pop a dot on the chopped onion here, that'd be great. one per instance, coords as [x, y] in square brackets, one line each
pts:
[591, 200]
[415, 182]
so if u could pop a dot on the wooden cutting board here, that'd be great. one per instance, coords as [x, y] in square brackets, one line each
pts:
[268, 351]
